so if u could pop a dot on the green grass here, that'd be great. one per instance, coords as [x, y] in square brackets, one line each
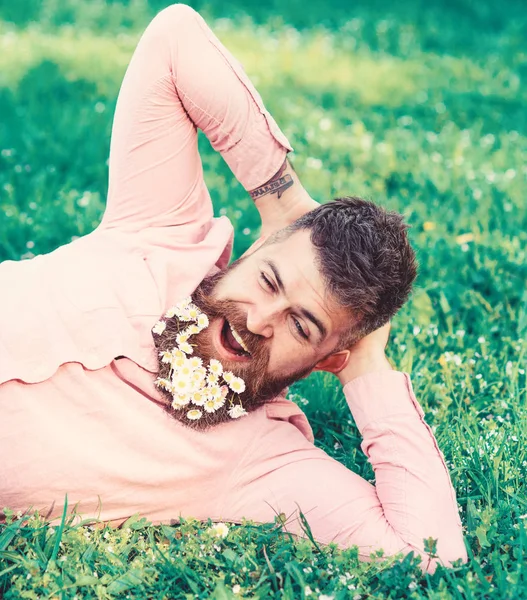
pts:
[419, 106]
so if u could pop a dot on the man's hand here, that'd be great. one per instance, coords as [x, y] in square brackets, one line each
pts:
[280, 201]
[367, 356]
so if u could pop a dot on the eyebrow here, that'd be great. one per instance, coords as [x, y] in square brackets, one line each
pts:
[306, 313]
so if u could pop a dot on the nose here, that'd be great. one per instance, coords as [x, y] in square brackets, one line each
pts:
[260, 318]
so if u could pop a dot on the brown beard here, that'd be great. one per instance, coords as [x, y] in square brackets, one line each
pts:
[260, 386]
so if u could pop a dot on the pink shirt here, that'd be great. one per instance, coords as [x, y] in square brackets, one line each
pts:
[77, 362]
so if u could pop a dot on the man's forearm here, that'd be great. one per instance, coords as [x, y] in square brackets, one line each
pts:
[412, 480]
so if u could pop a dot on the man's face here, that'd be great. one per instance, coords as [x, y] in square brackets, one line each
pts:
[275, 302]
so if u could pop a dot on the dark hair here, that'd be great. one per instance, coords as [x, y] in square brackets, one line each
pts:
[365, 258]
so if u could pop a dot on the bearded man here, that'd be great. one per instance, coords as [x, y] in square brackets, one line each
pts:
[129, 398]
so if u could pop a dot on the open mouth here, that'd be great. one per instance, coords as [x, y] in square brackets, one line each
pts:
[233, 343]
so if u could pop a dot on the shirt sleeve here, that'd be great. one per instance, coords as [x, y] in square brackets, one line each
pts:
[181, 78]
[413, 498]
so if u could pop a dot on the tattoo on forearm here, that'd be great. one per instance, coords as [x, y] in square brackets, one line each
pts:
[276, 185]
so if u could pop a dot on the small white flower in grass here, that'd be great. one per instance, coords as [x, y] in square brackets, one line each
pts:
[326, 597]
[237, 385]
[237, 411]
[186, 348]
[215, 366]
[220, 530]
[159, 327]
[194, 414]
[236, 589]
[308, 591]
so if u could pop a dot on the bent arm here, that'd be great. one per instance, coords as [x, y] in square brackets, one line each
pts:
[181, 78]
[412, 481]
[412, 500]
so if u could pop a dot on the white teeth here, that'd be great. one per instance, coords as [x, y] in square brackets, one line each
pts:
[237, 337]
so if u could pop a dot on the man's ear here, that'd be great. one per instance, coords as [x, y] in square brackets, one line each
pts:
[334, 362]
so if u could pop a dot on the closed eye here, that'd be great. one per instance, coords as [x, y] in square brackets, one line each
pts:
[299, 329]
[267, 282]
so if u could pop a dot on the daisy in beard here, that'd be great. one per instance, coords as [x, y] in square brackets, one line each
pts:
[205, 386]
[215, 366]
[159, 327]
[180, 401]
[181, 384]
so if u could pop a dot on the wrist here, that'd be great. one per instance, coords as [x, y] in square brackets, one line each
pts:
[282, 200]
[362, 365]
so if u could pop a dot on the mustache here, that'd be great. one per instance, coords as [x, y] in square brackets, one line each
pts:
[229, 310]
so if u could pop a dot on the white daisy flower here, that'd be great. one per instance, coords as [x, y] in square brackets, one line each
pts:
[171, 312]
[181, 385]
[228, 376]
[214, 392]
[186, 348]
[182, 337]
[198, 398]
[193, 312]
[180, 400]
[185, 370]
[192, 329]
[237, 384]
[181, 307]
[212, 379]
[199, 374]
[194, 414]
[185, 301]
[203, 321]
[219, 402]
[215, 366]
[166, 356]
[237, 411]
[220, 530]
[210, 405]
[159, 327]
[163, 383]
[179, 359]
[195, 362]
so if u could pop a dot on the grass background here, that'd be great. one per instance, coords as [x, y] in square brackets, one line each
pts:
[417, 105]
